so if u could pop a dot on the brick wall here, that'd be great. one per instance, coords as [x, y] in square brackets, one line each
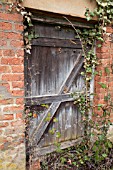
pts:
[12, 146]
[105, 58]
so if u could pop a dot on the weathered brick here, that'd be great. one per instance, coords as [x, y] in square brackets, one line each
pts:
[19, 101]
[3, 43]
[19, 115]
[13, 77]
[18, 93]
[11, 17]
[20, 53]
[0, 52]
[1, 148]
[1, 6]
[19, 84]
[5, 26]
[109, 30]
[12, 61]
[3, 139]
[3, 124]
[11, 35]
[17, 123]
[6, 101]
[8, 117]
[13, 108]
[5, 69]
[18, 69]
[16, 43]
[8, 52]
[19, 27]
[6, 84]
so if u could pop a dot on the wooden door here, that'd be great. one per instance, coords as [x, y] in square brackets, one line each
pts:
[52, 74]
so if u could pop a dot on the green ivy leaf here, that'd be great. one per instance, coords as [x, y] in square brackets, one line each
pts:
[99, 45]
[99, 106]
[58, 134]
[102, 85]
[63, 160]
[88, 18]
[30, 114]
[74, 163]
[52, 131]
[100, 39]
[106, 98]
[110, 145]
[107, 70]
[104, 155]
[45, 105]
[55, 120]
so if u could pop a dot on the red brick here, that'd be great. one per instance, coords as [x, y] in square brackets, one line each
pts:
[6, 101]
[6, 6]
[3, 124]
[107, 43]
[15, 43]
[19, 115]
[18, 93]
[19, 27]
[11, 17]
[0, 52]
[1, 117]
[103, 55]
[18, 69]
[102, 50]
[35, 165]
[5, 26]
[111, 84]
[19, 84]
[1, 6]
[3, 43]
[13, 108]
[109, 30]
[8, 52]
[17, 123]
[13, 77]
[3, 139]
[12, 61]
[11, 35]
[4, 69]
[6, 84]
[20, 101]
[20, 53]
[8, 117]
[1, 146]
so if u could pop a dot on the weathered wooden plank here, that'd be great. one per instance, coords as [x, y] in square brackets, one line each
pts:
[37, 100]
[74, 121]
[50, 31]
[41, 151]
[71, 76]
[48, 68]
[40, 129]
[68, 116]
[55, 21]
[52, 42]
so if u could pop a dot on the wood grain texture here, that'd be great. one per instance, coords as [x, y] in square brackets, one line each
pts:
[52, 75]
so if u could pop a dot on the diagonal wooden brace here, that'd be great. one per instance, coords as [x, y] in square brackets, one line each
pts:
[40, 129]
